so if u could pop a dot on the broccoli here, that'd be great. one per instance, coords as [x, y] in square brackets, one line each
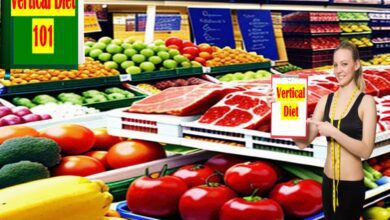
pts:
[35, 149]
[22, 172]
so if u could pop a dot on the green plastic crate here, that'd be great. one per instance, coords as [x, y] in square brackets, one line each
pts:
[239, 67]
[120, 103]
[194, 71]
[165, 74]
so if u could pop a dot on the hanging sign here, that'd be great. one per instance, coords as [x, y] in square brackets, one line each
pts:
[164, 22]
[212, 26]
[258, 32]
[91, 23]
[40, 34]
[289, 111]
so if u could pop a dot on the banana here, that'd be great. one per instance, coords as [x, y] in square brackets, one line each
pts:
[59, 198]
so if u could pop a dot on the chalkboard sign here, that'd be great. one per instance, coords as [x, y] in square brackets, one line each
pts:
[258, 32]
[164, 22]
[213, 26]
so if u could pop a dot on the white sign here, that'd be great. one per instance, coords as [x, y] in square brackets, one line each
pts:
[289, 111]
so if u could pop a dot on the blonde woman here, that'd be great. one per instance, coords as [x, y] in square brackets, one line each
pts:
[347, 118]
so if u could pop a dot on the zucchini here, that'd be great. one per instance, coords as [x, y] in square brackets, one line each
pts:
[368, 175]
[369, 184]
[301, 172]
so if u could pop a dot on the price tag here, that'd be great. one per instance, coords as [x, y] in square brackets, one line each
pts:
[206, 69]
[43, 35]
[125, 77]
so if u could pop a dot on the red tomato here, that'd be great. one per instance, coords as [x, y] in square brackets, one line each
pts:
[174, 41]
[100, 156]
[195, 175]
[245, 177]
[222, 162]
[189, 56]
[205, 48]
[299, 198]
[204, 202]
[133, 152]
[73, 139]
[156, 197]
[205, 55]
[78, 166]
[173, 46]
[251, 208]
[103, 140]
[194, 51]
[386, 172]
[10, 132]
[187, 43]
[200, 60]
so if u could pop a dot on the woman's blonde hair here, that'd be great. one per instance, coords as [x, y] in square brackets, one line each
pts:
[355, 55]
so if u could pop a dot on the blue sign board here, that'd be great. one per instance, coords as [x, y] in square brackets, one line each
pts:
[258, 32]
[164, 22]
[212, 26]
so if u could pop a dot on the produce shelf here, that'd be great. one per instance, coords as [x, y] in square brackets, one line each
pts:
[165, 74]
[194, 71]
[61, 85]
[238, 67]
[293, 34]
[355, 33]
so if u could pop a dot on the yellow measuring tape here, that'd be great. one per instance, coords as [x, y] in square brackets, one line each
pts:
[335, 148]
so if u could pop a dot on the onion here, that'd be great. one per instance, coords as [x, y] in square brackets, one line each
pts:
[21, 111]
[11, 120]
[31, 118]
[46, 117]
[5, 111]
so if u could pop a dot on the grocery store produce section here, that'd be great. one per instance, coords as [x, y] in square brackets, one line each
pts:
[178, 130]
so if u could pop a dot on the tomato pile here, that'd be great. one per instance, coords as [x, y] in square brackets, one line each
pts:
[249, 190]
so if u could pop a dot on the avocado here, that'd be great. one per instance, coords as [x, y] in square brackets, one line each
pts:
[35, 149]
[22, 172]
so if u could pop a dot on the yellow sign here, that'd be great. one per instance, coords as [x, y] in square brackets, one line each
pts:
[43, 8]
[91, 23]
[42, 35]
[290, 92]
[289, 111]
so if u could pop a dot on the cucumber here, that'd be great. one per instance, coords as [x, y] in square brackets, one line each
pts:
[368, 175]
[301, 172]
[371, 170]
[369, 184]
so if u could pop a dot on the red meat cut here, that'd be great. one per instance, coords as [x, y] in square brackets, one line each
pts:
[379, 82]
[186, 100]
[243, 109]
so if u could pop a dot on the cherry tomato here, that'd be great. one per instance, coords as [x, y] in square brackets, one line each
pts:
[299, 198]
[245, 177]
[10, 132]
[72, 138]
[251, 208]
[195, 175]
[204, 202]
[133, 152]
[156, 197]
[78, 166]
[100, 156]
[103, 140]
[222, 162]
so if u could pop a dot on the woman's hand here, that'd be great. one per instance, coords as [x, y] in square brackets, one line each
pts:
[324, 128]
[269, 95]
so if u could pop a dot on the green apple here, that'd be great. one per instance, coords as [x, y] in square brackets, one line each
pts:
[147, 52]
[105, 57]
[196, 64]
[133, 70]
[130, 52]
[117, 42]
[111, 64]
[105, 40]
[99, 45]
[139, 46]
[159, 42]
[138, 58]
[95, 53]
[147, 66]
[180, 58]
[238, 76]
[185, 64]
[113, 48]
[155, 59]
[129, 40]
[163, 55]
[127, 64]
[170, 64]
[119, 58]
[162, 48]
[89, 43]
[173, 53]
[87, 49]
[126, 46]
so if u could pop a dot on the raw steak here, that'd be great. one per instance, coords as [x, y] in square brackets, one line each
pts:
[370, 88]
[319, 90]
[379, 82]
[243, 109]
[186, 100]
